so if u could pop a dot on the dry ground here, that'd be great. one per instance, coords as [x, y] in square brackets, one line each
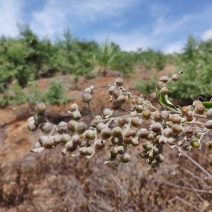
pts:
[52, 182]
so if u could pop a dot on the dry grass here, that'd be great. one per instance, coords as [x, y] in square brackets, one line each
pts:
[52, 182]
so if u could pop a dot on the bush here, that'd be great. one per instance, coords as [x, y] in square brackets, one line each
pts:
[140, 123]
[146, 86]
[55, 94]
[196, 63]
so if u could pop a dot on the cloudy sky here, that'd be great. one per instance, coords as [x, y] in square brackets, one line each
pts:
[131, 24]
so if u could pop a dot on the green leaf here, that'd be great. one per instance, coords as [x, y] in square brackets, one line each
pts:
[207, 105]
[163, 99]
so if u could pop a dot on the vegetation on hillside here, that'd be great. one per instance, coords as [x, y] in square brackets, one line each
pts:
[27, 57]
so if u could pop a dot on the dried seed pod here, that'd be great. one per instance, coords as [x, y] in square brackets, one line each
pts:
[81, 127]
[148, 146]
[135, 142]
[106, 133]
[185, 109]
[48, 142]
[70, 146]
[119, 82]
[107, 112]
[122, 121]
[142, 133]
[76, 115]
[209, 145]
[99, 144]
[139, 108]
[156, 127]
[31, 119]
[117, 132]
[100, 126]
[195, 144]
[175, 77]
[42, 139]
[208, 124]
[167, 132]
[157, 116]
[144, 154]
[159, 158]
[176, 128]
[116, 140]
[76, 139]
[157, 149]
[171, 141]
[160, 85]
[86, 97]
[57, 139]
[89, 151]
[154, 164]
[127, 140]
[119, 150]
[125, 158]
[116, 93]
[153, 96]
[121, 99]
[200, 109]
[73, 107]
[65, 138]
[139, 101]
[176, 119]
[111, 89]
[46, 127]
[62, 127]
[39, 118]
[164, 79]
[40, 107]
[165, 114]
[71, 125]
[146, 114]
[209, 114]
[189, 115]
[136, 122]
[189, 131]
[164, 91]
[90, 134]
[32, 126]
[150, 136]
[89, 90]
[111, 156]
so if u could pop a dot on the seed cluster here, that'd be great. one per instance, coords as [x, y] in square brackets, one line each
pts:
[141, 125]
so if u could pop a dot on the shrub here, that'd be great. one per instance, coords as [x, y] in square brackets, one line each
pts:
[196, 63]
[146, 86]
[55, 94]
[141, 123]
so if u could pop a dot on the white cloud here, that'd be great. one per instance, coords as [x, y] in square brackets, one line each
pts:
[130, 41]
[57, 15]
[175, 47]
[158, 9]
[207, 35]
[11, 13]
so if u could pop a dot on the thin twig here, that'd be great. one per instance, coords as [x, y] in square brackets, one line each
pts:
[185, 188]
[193, 161]
[184, 201]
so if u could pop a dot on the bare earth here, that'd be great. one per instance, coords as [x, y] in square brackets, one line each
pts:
[52, 182]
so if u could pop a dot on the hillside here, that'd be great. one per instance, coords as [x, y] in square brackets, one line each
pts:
[53, 182]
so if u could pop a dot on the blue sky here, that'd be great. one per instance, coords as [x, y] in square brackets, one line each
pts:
[132, 24]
